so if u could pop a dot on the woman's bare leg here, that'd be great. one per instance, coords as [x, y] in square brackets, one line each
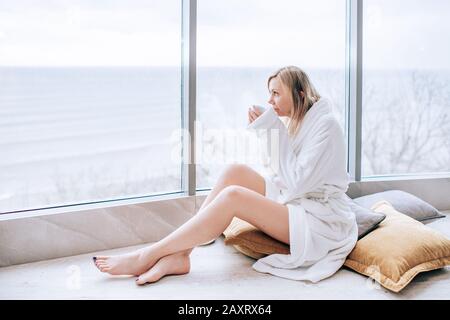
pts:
[179, 262]
[234, 201]
[170, 263]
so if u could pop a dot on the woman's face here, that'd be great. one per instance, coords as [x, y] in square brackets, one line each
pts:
[280, 98]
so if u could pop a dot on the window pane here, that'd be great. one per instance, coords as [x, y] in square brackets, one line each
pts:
[406, 97]
[240, 43]
[89, 96]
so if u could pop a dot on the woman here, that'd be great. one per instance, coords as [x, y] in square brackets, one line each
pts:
[302, 204]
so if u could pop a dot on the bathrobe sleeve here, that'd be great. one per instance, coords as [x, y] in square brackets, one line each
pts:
[303, 167]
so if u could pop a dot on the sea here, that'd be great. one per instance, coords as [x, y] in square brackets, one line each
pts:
[72, 135]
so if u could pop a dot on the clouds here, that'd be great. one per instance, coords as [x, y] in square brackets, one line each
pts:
[269, 33]
[406, 34]
[90, 33]
[402, 34]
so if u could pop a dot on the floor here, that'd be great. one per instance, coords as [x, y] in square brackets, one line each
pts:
[217, 272]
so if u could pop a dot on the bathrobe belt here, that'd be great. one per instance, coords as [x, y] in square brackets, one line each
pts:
[320, 196]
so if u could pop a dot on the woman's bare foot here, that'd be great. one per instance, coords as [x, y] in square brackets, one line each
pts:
[134, 263]
[178, 263]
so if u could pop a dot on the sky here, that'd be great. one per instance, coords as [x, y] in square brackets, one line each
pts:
[397, 33]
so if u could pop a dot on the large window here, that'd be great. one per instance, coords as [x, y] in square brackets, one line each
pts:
[240, 43]
[90, 91]
[406, 87]
[89, 98]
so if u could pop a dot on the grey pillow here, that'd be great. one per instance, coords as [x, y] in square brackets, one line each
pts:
[403, 202]
[366, 219]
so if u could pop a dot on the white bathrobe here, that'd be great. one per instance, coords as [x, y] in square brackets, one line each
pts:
[311, 181]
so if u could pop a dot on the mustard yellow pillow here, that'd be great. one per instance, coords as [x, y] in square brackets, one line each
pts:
[251, 241]
[393, 254]
[399, 249]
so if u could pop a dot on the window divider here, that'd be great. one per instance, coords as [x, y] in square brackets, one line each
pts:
[188, 95]
[353, 83]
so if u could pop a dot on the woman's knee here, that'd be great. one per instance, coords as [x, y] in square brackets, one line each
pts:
[231, 194]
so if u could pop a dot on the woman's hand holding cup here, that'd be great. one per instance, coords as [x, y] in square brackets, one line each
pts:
[254, 112]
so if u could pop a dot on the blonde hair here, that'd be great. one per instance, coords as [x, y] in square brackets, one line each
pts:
[296, 80]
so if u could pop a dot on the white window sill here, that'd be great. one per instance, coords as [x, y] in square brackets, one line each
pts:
[90, 206]
[58, 232]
